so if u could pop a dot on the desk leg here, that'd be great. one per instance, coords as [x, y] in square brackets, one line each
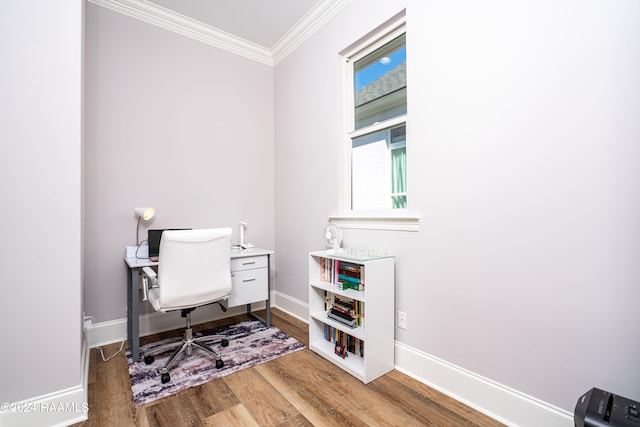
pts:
[133, 313]
[268, 301]
[266, 321]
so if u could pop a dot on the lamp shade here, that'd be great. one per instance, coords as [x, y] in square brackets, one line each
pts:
[145, 213]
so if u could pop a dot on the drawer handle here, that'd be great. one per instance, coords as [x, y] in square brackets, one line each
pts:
[248, 263]
[248, 280]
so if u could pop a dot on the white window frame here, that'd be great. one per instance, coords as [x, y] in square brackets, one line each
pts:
[383, 219]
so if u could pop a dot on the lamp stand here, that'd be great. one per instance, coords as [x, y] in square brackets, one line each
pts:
[138, 232]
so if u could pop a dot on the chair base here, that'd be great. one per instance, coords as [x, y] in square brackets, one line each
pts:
[185, 346]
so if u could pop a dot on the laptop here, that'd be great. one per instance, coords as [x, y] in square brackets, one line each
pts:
[153, 240]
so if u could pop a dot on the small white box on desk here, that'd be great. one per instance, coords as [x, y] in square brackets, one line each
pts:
[141, 251]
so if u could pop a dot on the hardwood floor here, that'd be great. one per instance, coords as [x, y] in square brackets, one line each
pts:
[300, 389]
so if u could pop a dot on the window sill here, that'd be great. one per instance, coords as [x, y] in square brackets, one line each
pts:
[374, 222]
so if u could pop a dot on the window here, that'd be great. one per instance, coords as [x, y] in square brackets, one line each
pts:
[377, 104]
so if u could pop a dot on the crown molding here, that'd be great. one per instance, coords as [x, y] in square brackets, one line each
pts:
[164, 18]
[318, 16]
[154, 14]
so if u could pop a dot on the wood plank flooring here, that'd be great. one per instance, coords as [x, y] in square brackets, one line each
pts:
[300, 389]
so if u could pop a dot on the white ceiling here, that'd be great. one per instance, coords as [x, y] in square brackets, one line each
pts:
[263, 22]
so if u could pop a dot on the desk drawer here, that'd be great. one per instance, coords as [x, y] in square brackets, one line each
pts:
[245, 263]
[249, 286]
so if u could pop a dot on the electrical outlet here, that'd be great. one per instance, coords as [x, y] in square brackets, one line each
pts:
[402, 320]
[89, 321]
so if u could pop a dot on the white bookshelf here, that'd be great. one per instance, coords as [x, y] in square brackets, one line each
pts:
[377, 330]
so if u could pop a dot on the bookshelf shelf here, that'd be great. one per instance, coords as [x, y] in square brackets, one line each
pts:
[353, 364]
[369, 347]
[349, 293]
[321, 316]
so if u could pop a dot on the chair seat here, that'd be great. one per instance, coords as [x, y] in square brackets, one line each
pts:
[154, 299]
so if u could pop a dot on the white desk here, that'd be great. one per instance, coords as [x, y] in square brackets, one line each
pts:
[250, 277]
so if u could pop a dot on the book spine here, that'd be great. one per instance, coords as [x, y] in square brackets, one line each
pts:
[349, 278]
[344, 342]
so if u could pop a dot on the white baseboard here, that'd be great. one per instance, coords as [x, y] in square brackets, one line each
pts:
[291, 306]
[495, 400]
[104, 333]
[61, 408]
[501, 403]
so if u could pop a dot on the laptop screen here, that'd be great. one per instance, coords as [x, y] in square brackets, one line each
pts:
[153, 240]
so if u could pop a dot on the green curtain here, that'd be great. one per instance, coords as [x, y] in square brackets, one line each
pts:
[399, 177]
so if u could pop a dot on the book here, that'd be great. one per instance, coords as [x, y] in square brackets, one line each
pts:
[353, 308]
[342, 317]
[340, 350]
[343, 342]
[344, 275]
[349, 278]
[353, 274]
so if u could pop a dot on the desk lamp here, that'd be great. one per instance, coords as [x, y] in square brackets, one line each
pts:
[143, 214]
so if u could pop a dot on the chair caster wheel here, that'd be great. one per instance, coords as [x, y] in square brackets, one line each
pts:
[219, 363]
[224, 342]
[165, 378]
[149, 360]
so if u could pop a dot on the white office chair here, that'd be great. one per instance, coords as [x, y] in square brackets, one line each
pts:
[194, 269]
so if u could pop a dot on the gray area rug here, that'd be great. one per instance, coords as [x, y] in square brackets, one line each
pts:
[250, 343]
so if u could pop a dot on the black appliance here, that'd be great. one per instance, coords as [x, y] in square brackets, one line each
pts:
[599, 408]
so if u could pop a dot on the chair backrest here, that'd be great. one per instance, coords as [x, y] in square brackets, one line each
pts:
[194, 267]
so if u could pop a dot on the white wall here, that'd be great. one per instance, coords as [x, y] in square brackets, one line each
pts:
[522, 160]
[40, 189]
[175, 124]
